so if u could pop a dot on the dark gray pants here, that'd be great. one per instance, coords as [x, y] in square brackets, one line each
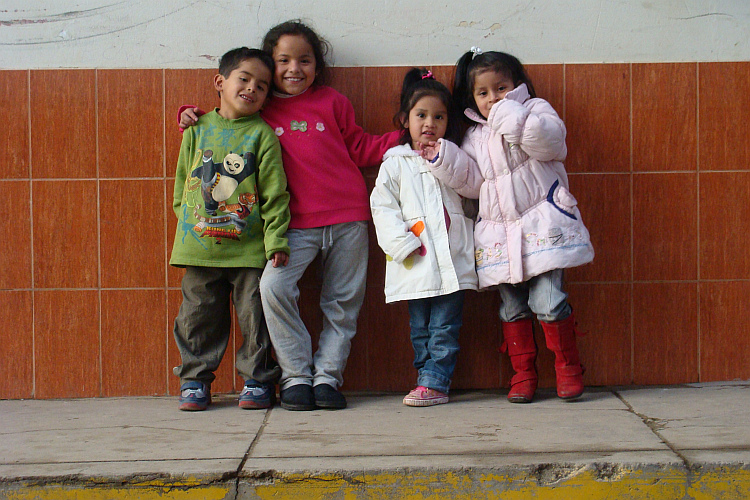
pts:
[202, 327]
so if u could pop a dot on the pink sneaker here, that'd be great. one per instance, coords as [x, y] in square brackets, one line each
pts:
[423, 396]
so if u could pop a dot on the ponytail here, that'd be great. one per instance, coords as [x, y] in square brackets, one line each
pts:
[462, 86]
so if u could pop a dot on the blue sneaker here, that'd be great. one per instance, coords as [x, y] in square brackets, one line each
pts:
[257, 395]
[194, 396]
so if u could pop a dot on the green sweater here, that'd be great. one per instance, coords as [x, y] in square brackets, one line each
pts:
[230, 194]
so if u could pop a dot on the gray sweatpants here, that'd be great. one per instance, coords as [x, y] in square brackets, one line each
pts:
[343, 249]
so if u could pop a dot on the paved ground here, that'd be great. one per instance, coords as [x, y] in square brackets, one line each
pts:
[690, 441]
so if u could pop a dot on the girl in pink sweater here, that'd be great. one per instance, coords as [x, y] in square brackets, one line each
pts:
[322, 150]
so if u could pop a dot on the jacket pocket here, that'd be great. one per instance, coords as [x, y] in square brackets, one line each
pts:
[562, 200]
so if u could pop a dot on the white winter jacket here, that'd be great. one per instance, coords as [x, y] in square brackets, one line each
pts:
[528, 220]
[409, 207]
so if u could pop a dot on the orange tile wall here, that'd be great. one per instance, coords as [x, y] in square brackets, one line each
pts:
[658, 158]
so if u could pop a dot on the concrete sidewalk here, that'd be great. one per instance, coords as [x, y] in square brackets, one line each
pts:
[690, 441]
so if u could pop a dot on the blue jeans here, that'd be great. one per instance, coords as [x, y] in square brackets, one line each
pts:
[435, 323]
[542, 295]
[343, 249]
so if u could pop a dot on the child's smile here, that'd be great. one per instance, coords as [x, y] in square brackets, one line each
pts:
[244, 91]
[295, 65]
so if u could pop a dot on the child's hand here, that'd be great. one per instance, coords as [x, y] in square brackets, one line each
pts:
[188, 118]
[279, 259]
[429, 151]
[421, 251]
[416, 230]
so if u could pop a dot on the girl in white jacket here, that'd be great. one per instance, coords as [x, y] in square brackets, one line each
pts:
[420, 225]
[529, 228]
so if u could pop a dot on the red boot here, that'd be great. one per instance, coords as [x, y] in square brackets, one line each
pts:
[561, 339]
[518, 341]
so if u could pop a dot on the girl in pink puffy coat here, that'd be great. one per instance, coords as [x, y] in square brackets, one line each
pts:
[529, 228]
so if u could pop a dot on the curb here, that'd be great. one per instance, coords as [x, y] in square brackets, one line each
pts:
[542, 482]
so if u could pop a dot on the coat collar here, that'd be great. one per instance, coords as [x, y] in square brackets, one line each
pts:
[400, 150]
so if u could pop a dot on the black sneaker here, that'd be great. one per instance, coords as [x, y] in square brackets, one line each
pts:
[298, 398]
[328, 398]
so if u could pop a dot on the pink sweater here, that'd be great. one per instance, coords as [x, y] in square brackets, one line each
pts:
[322, 150]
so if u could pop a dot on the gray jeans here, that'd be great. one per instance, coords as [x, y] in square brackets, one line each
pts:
[202, 327]
[543, 295]
[343, 249]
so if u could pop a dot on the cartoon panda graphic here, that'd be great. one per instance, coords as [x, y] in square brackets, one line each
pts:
[219, 180]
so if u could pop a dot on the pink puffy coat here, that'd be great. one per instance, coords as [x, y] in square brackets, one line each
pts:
[528, 221]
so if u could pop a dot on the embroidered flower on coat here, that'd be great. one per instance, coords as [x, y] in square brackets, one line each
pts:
[279, 131]
[320, 127]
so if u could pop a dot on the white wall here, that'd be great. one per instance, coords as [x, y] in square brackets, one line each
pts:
[194, 33]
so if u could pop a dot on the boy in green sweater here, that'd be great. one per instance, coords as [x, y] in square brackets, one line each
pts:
[232, 207]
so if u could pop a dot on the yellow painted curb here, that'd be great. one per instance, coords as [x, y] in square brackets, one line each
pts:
[539, 483]
[550, 483]
[104, 489]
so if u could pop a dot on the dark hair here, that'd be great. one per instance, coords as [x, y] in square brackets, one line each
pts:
[232, 59]
[419, 83]
[471, 65]
[320, 46]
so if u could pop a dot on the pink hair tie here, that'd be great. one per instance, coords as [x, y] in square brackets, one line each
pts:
[428, 75]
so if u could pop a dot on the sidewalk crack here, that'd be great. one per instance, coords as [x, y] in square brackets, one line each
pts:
[253, 444]
[655, 425]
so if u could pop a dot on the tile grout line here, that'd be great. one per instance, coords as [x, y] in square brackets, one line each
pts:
[368, 365]
[31, 228]
[632, 233]
[166, 228]
[698, 218]
[98, 228]
[564, 89]
[613, 173]
[577, 282]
